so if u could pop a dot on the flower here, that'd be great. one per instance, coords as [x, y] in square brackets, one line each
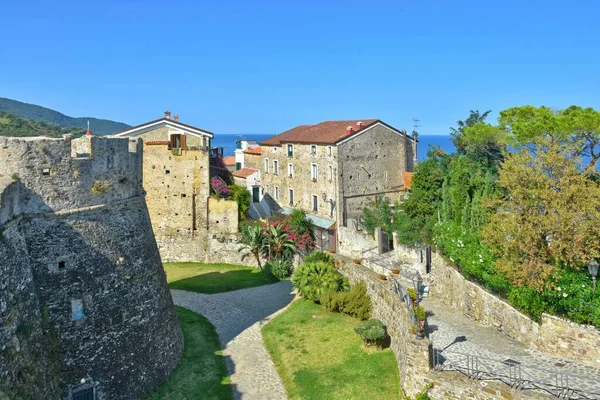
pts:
[565, 294]
[558, 288]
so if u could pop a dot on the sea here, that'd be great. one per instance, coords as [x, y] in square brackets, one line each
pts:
[425, 142]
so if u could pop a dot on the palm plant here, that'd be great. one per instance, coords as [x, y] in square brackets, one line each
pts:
[314, 279]
[253, 242]
[301, 225]
[277, 244]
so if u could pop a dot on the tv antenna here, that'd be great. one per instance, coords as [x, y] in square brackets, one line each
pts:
[416, 125]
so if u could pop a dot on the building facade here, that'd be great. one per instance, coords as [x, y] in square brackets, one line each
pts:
[178, 160]
[333, 169]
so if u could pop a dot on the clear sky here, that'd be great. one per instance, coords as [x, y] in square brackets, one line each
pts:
[266, 66]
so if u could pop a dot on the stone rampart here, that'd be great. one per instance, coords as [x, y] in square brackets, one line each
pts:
[353, 243]
[83, 293]
[552, 335]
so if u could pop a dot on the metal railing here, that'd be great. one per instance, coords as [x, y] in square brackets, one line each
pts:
[512, 373]
[404, 296]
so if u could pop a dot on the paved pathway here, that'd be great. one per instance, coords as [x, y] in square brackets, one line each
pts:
[492, 347]
[238, 317]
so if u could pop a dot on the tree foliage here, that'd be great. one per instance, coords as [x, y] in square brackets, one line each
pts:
[13, 126]
[550, 218]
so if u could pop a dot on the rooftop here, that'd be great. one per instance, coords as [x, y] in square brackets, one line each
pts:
[244, 172]
[327, 132]
[229, 160]
[254, 150]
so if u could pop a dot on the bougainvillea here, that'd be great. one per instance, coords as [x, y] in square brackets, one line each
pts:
[302, 240]
[220, 188]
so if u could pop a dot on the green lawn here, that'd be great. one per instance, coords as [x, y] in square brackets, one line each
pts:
[318, 356]
[212, 278]
[202, 373]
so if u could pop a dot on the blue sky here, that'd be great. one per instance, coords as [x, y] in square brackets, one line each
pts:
[263, 67]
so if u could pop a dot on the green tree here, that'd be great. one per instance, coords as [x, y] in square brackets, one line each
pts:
[549, 220]
[277, 244]
[252, 241]
[475, 117]
[576, 128]
[242, 196]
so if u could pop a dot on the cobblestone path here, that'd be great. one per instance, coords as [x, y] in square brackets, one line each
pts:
[238, 317]
[458, 336]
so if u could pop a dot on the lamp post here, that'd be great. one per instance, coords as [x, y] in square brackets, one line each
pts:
[418, 284]
[593, 270]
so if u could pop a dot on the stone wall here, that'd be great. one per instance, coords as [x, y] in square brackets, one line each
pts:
[412, 355]
[222, 216]
[371, 163]
[353, 243]
[83, 292]
[552, 335]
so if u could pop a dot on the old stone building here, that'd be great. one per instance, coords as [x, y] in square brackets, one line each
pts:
[333, 169]
[177, 168]
[84, 303]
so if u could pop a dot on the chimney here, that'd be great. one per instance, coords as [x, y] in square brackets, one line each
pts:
[359, 125]
[176, 117]
[168, 114]
[350, 129]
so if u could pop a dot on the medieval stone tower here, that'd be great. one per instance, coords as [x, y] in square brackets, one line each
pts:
[84, 303]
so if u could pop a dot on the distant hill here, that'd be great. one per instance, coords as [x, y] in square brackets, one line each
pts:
[11, 125]
[38, 113]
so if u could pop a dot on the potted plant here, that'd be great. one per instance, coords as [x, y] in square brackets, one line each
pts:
[412, 293]
[356, 261]
[331, 251]
[395, 271]
[383, 277]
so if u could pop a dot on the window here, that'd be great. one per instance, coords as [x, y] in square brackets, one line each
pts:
[315, 203]
[276, 192]
[266, 165]
[385, 174]
[313, 149]
[275, 167]
[238, 166]
[266, 188]
[328, 150]
[331, 208]
[46, 171]
[290, 170]
[314, 172]
[167, 172]
[330, 173]
[290, 150]
[291, 193]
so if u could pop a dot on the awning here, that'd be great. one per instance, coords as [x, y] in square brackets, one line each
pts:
[320, 222]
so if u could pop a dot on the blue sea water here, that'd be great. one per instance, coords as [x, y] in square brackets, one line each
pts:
[425, 141]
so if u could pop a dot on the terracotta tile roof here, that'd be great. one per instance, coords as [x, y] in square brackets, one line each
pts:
[229, 160]
[407, 180]
[244, 172]
[254, 150]
[328, 132]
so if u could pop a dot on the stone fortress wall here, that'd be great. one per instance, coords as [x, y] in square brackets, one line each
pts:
[83, 293]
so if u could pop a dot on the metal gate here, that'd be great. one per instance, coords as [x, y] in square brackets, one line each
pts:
[387, 243]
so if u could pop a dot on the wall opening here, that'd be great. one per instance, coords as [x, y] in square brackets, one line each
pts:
[167, 172]
[62, 264]
[46, 171]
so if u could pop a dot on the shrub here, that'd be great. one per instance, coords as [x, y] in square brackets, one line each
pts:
[243, 198]
[314, 279]
[371, 331]
[278, 270]
[319, 256]
[355, 302]
[412, 293]
[330, 301]
[100, 187]
[420, 313]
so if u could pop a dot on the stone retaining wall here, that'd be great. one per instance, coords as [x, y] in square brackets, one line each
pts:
[412, 355]
[552, 335]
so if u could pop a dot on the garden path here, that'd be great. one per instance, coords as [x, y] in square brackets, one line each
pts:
[238, 317]
[459, 336]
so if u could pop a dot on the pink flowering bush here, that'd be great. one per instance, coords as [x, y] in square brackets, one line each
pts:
[220, 188]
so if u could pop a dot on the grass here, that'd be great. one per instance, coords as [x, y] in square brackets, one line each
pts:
[319, 357]
[201, 373]
[213, 278]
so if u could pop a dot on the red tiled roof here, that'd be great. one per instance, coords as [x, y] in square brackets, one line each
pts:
[328, 132]
[229, 160]
[254, 150]
[407, 180]
[244, 172]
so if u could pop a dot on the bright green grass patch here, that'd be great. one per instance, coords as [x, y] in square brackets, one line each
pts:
[318, 356]
[201, 373]
[213, 278]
